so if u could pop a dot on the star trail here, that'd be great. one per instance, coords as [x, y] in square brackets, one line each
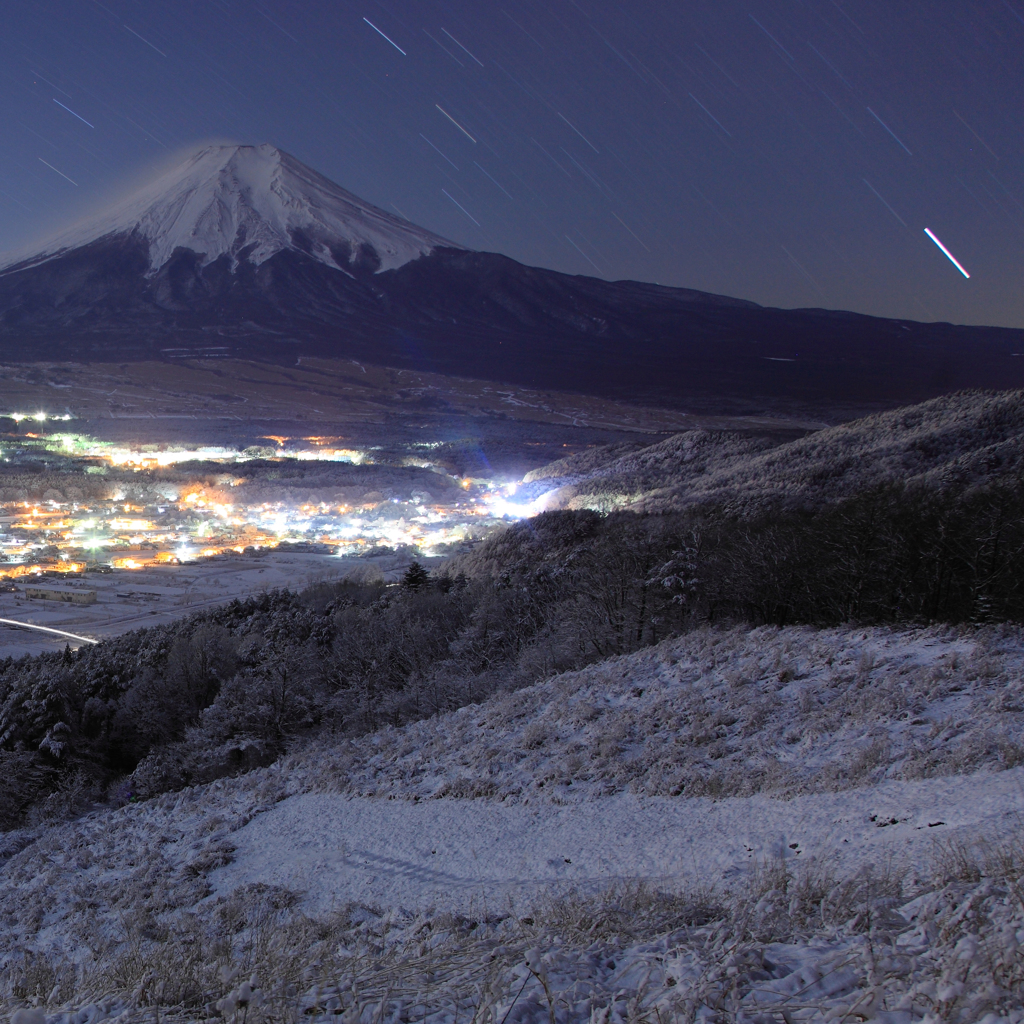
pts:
[791, 152]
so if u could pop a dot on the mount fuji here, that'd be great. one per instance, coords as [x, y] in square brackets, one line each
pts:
[247, 203]
[245, 251]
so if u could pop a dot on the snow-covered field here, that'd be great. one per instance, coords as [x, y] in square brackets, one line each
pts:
[481, 857]
[730, 825]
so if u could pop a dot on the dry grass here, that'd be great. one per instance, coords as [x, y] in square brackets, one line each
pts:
[718, 713]
[790, 944]
[112, 915]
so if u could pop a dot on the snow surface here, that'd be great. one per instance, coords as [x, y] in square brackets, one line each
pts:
[337, 877]
[883, 740]
[481, 857]
[716, 712]
[246, 202]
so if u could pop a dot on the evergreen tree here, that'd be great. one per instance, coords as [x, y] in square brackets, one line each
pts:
[416, 577]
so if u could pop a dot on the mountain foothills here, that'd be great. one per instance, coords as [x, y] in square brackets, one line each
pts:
[244, 251]
[930, 528]
[466, 791]
[952, 444]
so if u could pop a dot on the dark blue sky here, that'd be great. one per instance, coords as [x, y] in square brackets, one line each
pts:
[786, 151]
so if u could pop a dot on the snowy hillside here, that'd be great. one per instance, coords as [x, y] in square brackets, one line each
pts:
[952, 441]
[248, 202]
[715, 713]
[449, 870]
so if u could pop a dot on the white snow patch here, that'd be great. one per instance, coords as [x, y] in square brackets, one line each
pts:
[475, 854]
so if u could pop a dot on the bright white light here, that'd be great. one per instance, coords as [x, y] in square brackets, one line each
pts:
[949, 255]
[498, 505]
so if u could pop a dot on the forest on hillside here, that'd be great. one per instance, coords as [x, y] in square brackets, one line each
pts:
[229, 689]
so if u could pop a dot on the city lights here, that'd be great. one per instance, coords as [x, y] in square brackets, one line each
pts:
[201, 519]
[39, 417]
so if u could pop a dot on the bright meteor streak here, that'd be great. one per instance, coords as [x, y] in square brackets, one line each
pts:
[48, 629]
[952, 259]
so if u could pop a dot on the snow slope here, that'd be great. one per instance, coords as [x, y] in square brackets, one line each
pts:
[480, 857]
[832, 744]
[952, 441]
[719, 713]
[356, 878]
[247, 202]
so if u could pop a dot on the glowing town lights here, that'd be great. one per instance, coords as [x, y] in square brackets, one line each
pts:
[39, 417]
[499, 505]
[130, 524]
[175, 526]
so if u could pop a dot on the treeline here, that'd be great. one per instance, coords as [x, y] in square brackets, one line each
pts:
[893, 553]
[223, 691]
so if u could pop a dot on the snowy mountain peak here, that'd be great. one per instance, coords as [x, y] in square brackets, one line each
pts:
[248, 203]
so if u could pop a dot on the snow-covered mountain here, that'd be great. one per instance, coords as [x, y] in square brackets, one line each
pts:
[247, 203]
[244, 251]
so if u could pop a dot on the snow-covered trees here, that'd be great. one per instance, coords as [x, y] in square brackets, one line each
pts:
[222, 691]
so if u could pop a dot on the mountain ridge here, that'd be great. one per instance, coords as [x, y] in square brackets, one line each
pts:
[281, 263]
[951, 444]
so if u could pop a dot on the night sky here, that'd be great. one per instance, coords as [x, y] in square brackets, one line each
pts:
[789, 152]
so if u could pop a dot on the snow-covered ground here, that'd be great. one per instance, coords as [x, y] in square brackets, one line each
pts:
[481, 857]
[718, 712]
[852, 850]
